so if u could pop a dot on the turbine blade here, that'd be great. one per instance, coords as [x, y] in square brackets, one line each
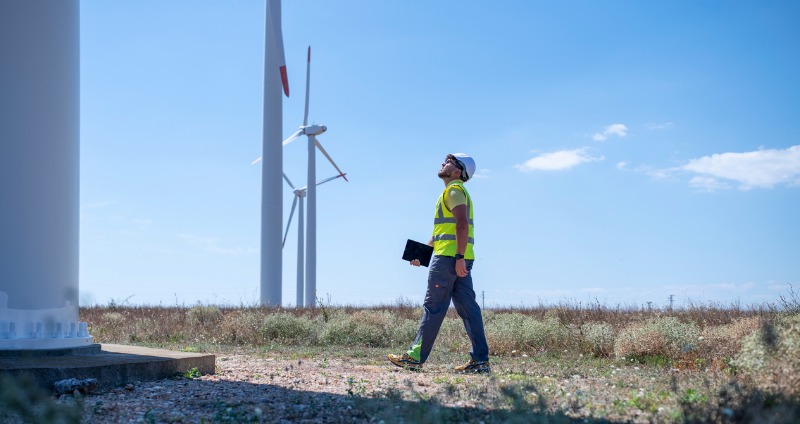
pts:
[308, 83]
[287, 180]
[258, 159]
[292, 137]
[275, 36]
[330, 179]
[289, 224]
[321, 149]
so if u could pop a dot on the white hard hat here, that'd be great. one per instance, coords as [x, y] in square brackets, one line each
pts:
[469, 165]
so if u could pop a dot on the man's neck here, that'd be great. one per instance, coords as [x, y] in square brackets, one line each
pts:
[448, 180]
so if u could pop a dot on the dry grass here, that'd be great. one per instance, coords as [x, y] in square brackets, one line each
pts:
[703, 364]
[710, 334]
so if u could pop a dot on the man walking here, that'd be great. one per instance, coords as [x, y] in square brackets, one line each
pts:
[450, 274]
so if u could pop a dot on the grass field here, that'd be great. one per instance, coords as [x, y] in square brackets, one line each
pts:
[560, 363]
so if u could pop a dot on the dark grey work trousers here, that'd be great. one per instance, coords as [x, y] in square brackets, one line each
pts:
[443, 285]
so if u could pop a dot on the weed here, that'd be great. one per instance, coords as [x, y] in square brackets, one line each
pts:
[692, 396]
[644, 401]
[192, 373]
[790, 303]
[356, 387]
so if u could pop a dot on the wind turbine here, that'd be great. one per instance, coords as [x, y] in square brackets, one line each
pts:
[299, 194]
[275, 79]
[311, 131]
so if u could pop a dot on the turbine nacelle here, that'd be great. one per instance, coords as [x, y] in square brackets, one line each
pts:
[313, 129]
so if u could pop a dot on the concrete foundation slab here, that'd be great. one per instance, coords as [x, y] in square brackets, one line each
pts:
[112, 365]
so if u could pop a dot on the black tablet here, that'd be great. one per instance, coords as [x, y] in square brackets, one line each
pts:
[417, 250]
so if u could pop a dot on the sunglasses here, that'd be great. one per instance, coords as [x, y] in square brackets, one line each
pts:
[457, 163]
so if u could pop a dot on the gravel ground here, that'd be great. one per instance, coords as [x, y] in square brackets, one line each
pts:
[248, 388]
[268, 387]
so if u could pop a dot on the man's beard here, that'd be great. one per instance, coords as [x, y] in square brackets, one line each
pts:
[444, 174]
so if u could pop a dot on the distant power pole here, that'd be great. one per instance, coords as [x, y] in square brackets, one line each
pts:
[483, 299]
[649, 305]
[671, 298]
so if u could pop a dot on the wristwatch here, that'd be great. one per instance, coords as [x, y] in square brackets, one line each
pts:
[459, 256]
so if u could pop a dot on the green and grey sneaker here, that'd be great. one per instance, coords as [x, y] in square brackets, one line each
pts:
[405, 361]
[473, 366]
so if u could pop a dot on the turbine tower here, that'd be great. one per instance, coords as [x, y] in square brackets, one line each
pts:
[299, 195]
[275, 79]
[310, 191]
[312, 131]
[39, 175]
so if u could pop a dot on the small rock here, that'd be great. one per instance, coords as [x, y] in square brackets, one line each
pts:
[71, 385]
[129, 387]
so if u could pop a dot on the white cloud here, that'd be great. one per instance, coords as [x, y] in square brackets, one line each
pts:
[659, 126]
[482, 173]
[707, 183]
[613, 129]
[622, 165]
[761, 168]
[557, 161]
[664, 174]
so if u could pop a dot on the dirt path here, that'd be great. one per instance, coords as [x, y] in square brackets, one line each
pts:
[249, 388]
[256, 388]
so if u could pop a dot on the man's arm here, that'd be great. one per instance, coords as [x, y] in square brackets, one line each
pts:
[462, 237]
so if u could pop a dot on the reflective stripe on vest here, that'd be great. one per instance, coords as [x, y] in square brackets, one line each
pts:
[440, 220]
[470, 240]
[444, 227]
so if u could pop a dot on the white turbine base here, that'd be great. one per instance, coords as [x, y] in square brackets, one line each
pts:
[43, 344]
[41, 328]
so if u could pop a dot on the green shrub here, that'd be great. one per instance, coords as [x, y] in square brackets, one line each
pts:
[665, 336]
[243, 327]
[368, 328]
[204, 315]
[515, 331]
[725, 341]
[599, 338]
[112, 317]
[285, 327]
[771, 356]
[503, 332]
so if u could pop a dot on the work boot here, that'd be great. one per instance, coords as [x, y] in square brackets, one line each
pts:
[405, 361]
[473, 366]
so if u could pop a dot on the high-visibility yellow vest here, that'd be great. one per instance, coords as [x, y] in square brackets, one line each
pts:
[444, 226]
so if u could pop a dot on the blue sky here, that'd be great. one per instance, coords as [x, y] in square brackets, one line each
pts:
[627, 151]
